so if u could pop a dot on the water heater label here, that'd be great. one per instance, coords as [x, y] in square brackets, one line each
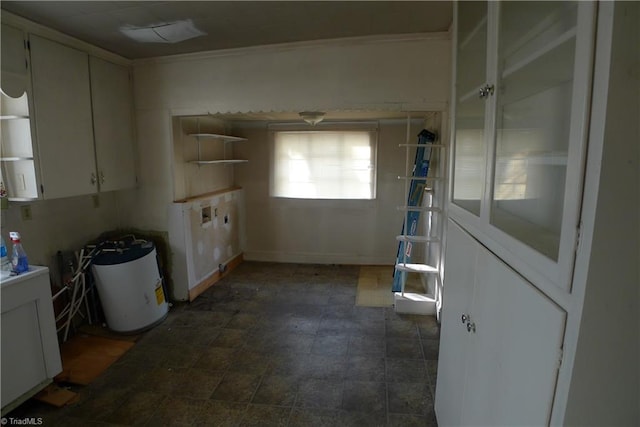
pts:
[159, 294]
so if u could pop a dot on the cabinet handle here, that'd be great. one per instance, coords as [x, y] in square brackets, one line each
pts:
[485, 91]
[471, 327]
[93, 179]
[101, 177]
[465, 318]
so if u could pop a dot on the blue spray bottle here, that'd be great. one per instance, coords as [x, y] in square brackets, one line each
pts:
[19, 262]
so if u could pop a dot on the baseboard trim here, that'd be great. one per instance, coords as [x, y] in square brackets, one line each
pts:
[315, 258]
[215, 277]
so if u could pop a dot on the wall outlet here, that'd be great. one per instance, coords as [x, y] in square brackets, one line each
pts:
[25, 213]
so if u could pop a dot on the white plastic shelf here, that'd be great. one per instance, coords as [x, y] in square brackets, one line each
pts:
[417, 268]
[224, 138]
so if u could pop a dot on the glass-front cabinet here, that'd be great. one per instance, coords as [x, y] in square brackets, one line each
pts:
[469, 154]
[522, 83]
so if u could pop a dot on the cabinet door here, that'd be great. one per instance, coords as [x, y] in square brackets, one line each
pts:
[514, 355]
[537, 94]
[471, 70]
[461, 255]
[14, 65]
[112, 102]
[23, 364]
[544, 65]
[64, 129]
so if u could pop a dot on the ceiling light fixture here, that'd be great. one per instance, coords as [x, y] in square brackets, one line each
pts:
[171, 32]
[312, 117]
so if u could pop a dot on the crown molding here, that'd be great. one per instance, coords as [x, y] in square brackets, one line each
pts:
[282, 47]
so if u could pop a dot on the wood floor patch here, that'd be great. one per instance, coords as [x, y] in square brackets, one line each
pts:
[374, 286]
[85, 357]
[56, 396]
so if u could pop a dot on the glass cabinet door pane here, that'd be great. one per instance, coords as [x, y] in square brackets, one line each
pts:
[535, 72]
[469, 149]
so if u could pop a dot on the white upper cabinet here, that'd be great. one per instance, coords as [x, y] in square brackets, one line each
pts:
[112, 103]
[63, 120]
[522, 95]
[84, 128]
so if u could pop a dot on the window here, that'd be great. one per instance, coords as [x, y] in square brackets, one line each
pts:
[324, 164]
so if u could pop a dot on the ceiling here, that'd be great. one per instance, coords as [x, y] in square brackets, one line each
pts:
[232, 24]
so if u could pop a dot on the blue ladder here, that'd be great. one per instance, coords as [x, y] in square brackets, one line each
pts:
[414, 200]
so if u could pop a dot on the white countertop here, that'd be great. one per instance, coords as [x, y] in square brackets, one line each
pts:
[34, 270]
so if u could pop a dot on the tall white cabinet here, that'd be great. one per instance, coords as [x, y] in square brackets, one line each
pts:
[534, 121]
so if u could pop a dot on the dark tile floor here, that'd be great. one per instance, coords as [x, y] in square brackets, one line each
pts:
[269, 345]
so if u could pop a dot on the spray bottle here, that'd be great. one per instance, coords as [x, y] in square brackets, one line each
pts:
[5, 264]
[19, 262]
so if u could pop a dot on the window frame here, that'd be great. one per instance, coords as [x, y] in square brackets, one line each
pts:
[370, 127]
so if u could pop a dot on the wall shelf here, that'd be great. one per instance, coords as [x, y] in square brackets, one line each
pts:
[13, 117]
[211, 162]
[223, 138]
[200, 136]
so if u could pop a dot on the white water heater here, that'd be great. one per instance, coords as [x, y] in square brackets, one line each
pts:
[130, 288]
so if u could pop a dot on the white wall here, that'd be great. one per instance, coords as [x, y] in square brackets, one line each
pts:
[60, 224]
[370, 73]
[323, 231]
[605, 385]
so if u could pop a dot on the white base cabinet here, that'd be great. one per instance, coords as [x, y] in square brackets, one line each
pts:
[30, 352]
[501, 342]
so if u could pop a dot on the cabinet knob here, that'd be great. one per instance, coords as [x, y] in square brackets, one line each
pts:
[465, 318]
[471, 327]
[101, 177]
[93, 179]
[485, 91]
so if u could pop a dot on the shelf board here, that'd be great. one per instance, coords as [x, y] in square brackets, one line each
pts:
[423, 145]
[212, 162]
[207, 195]
[416, 268]
[22, 199]
[15, 159]
[421, 178]
[473, 93]
[418, 239]
[419, 208]
[559, 41]
[13, 117]
[472, 34]
[225, 138]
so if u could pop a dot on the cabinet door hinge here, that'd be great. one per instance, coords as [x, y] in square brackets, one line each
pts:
[578, 237]
[42, 189]
[560, 357]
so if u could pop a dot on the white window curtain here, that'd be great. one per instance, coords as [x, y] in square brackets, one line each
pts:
[324, 164]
